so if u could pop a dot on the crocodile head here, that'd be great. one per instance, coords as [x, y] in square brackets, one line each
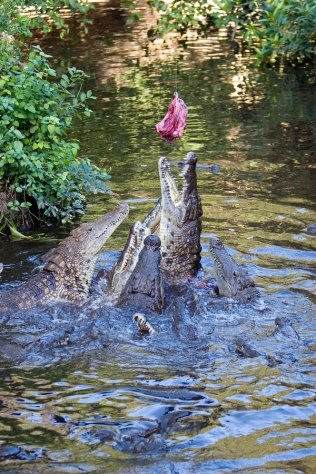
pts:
[72, 262]
[180, 224]
[125, 266]
[232, 279]
[144, 288]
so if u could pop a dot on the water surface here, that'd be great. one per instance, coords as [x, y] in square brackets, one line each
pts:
[215, 411]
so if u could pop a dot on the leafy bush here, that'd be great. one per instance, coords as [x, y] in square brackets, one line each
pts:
[45, 15]
[276, 30]
[41, 174]
[182, 15]
[286, 30]
[38, 164]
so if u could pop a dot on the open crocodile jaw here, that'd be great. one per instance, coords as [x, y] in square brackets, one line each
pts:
[180, 225]
[138, 263]
[124, 267]
[68, 270]
[143, 289]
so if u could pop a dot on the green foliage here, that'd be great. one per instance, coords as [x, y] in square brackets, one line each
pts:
[287, 30]
[43, 14]
[276, 30]
[38, 164]
[182, 15]
[40, 171]
[133, 14]
[281, 30]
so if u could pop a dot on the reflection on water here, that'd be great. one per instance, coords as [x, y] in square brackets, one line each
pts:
[185, 408]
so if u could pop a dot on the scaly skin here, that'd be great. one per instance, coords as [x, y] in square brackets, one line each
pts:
[180, 224]
[142, 323]
[124, 272]
[144, 287]
[152, 220]
[68, 270]
[126, 264]
[232, 279]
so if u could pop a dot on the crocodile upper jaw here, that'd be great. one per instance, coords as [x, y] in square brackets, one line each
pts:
[68, 269]
[180, 225]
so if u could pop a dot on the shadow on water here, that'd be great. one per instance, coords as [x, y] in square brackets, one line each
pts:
[144, 407]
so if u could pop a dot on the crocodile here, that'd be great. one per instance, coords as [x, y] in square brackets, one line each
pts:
[137, 282]
[68, 269]
[144, 288]
[141, 279]
[180, 223]
[125, 265]
[135, 279]
[232, 279]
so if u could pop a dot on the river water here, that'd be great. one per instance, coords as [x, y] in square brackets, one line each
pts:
[209, 409]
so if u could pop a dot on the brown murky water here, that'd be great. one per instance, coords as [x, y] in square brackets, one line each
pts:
[218, 412]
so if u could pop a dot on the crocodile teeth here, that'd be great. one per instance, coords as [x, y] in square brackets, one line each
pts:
[142, 323]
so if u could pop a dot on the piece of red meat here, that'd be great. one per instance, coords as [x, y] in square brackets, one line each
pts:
[175, 121]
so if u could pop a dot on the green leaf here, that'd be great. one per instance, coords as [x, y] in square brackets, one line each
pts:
[31, 108]
[18, 146]
[34, 128]
[18, 134]
[40, 162]
[16, 234]
[51, 72]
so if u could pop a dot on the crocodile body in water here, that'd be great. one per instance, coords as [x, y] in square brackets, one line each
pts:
[147, 266]
[232, 279]
[68, 270]
[143, 273]
[136, 277]
[144, 288]
[63, 331]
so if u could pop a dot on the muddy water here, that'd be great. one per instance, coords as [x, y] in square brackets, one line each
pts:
[191, 407]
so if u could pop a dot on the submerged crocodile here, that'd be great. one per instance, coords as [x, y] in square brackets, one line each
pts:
[232, 279]
[68, 270]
